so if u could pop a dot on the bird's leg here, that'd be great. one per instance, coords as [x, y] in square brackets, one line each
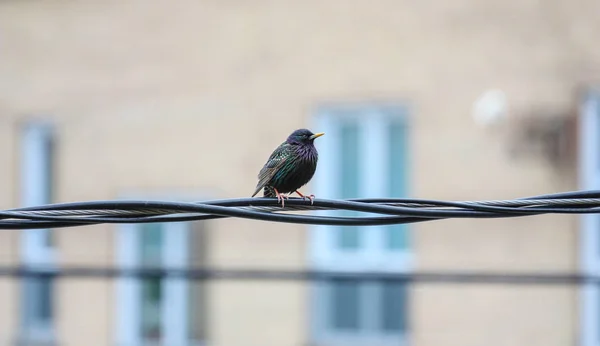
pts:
[280, 197]
[311, 197]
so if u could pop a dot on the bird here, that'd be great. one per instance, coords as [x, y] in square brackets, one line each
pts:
[291, 166]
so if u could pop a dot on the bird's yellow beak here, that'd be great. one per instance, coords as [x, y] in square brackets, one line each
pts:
[316, 135]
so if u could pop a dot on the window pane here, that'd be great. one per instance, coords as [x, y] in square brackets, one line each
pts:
[37, 176]
[345, 305]
[349, 237]
[38, 302]
[596, 103]
[597, 224]
[151, 314]
[45, 293]
[397, 235]
[393, 307]
[151, 241]
[48, 175]
[197, 289]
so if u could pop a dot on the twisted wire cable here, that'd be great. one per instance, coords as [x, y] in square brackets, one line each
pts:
[389, 210]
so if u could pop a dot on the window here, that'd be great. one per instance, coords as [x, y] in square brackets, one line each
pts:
[363, 154]
[589, 169]
[37, 187]
[160, 311]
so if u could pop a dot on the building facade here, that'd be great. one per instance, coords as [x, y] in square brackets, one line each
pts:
[186, 100]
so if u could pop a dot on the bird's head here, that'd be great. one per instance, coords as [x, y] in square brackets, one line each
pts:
[303, 136]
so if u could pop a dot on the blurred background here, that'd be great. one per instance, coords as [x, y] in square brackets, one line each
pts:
[185, 100]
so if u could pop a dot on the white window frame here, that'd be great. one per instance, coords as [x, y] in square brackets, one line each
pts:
[323, 253]
[174, 308]
[589, 179]
[35, 252]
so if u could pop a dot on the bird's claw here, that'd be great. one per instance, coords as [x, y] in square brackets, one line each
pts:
[304, 197]
[310, 197]
[281, 199]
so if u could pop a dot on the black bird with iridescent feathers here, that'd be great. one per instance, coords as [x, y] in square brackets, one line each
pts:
[290, 166]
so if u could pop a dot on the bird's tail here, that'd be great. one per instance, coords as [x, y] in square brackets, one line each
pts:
[269, 192]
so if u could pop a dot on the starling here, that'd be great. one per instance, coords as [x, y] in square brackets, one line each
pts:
[290, 166]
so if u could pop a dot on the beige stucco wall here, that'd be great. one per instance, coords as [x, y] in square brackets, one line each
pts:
[194, 96]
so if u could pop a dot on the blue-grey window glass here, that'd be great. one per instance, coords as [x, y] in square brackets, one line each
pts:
[151, 241]
[397, 235]
[39, 157]
[345, 305]
[49, 176]
[349, 237]
[393, 307]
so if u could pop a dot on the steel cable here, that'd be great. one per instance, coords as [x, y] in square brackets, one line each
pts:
[389, 210]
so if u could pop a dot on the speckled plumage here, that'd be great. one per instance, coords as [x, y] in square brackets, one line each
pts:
[290, 166]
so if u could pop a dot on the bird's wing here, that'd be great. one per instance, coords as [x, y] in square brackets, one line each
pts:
[273, 165]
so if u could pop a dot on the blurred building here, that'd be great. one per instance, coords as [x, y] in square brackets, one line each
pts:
[185, 101]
